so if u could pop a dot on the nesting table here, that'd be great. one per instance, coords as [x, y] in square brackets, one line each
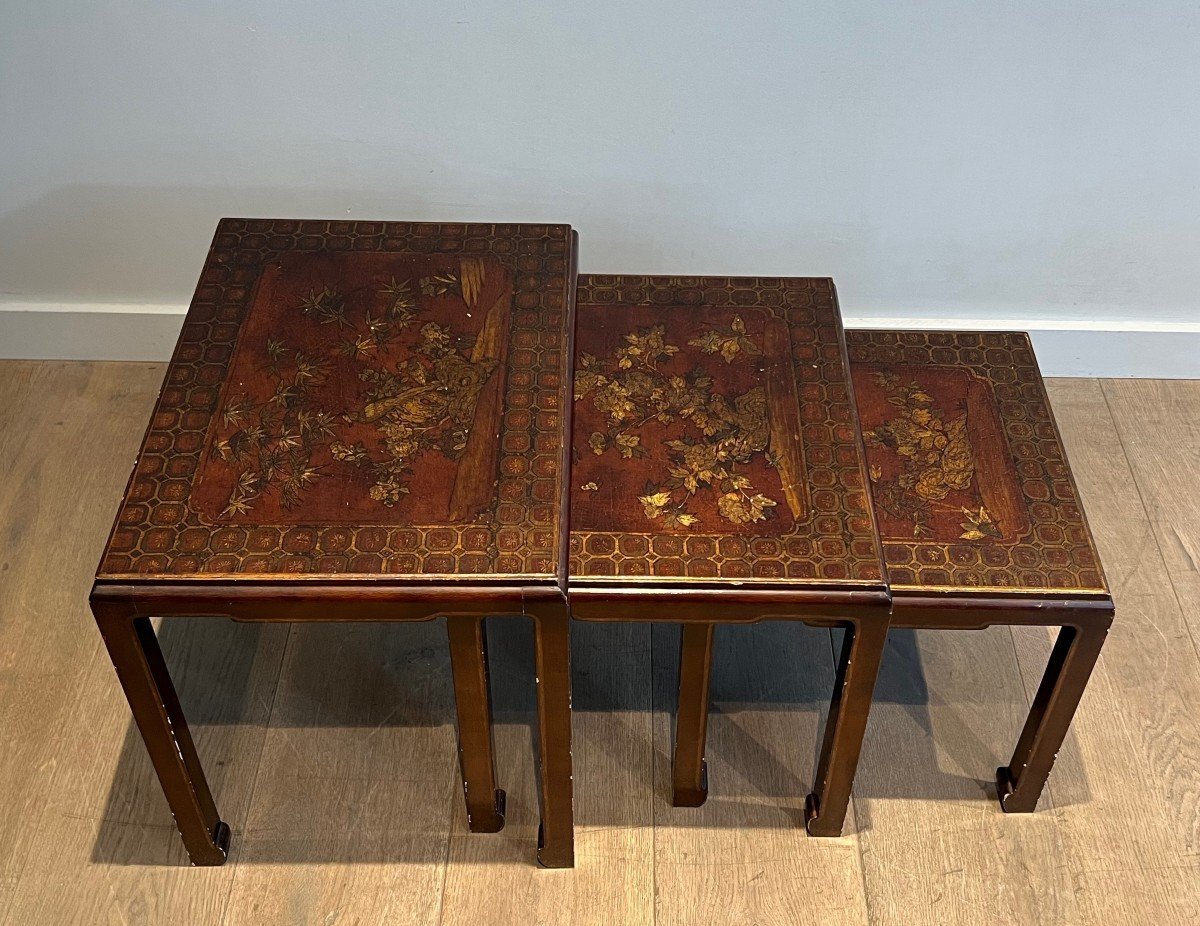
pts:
[718, 477]
[979, 514]
[980, 519]
[361, 421]
[381, 421]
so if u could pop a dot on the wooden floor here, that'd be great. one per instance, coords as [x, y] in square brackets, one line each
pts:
[331, 749]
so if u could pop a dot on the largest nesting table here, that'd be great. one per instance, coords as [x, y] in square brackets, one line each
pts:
[361, 421]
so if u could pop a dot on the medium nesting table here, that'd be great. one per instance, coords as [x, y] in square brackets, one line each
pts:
[718, 477]
[361, 421]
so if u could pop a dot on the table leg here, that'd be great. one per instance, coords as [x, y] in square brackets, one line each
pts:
[858, 666]
[1020, 783]
[476, 749]
[556, 836]
[135, 654]
[689, 776]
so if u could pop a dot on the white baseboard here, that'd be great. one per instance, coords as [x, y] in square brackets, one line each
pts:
[88, 331]
[1108, 348]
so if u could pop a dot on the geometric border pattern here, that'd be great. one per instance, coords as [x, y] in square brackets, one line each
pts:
[836, 544]
[1057, 554]
[157, 534]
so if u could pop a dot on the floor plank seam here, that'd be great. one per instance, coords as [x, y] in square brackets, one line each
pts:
[262, 748]
[450, 814]
[1137, 487]
[441, 907]
[653, 786]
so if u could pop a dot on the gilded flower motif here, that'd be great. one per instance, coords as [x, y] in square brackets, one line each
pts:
[725, 432]
[741, 508]
[937, 460]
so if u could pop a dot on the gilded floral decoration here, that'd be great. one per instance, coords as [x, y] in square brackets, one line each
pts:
[420, 387]
[936, 460]
[722, 433]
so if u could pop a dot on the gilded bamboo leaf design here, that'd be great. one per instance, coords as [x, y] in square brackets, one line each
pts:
[272, 442]
[423, 401]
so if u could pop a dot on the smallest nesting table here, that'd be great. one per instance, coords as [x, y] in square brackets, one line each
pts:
[980, 519]
[361, 421]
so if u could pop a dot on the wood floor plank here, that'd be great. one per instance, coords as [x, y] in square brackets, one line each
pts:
[492, 878]
[352, 807]
[1158, 422]
[936, 847]
[744, 857]
[87, 815]
[1126, 784]
[54, 516]
[17, 379]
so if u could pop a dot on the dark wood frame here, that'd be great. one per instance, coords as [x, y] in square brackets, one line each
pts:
[1084, 625]
[123, 611]
[863, 614]
[1019, 784]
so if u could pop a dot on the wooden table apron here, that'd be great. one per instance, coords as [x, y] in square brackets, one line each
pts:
[1084, 623]
[864, 616]
[123, 611]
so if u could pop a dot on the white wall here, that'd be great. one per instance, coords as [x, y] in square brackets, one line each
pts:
[1030, 161]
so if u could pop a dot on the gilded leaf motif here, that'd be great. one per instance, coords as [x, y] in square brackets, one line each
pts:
[645, 347]
[978, 525]
[402, 304]
[937, 460]
[628, 444]
[729, 344]
[438, 284]
[587, 377]
[327, 306]
[725, 432]
[661, 505]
